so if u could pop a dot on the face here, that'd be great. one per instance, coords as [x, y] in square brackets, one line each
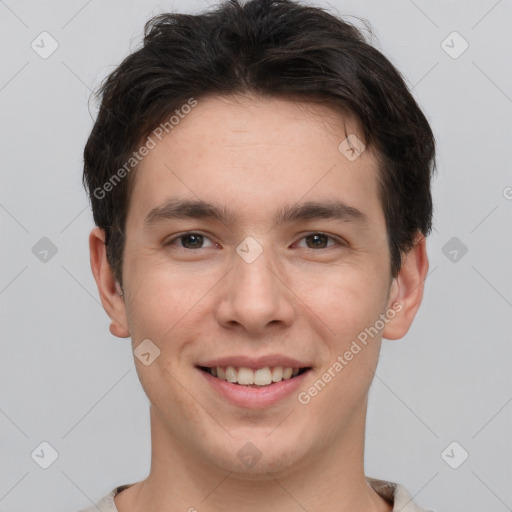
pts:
[280, 266]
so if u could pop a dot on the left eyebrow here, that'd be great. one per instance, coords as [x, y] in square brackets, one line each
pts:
[311, 210]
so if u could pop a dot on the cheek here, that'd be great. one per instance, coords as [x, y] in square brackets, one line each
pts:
[345, 302]
[161, 298]
[349, 308]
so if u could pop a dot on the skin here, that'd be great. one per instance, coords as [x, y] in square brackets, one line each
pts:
[256, 155]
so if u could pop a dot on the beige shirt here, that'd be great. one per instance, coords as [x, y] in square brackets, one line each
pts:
[393, 493]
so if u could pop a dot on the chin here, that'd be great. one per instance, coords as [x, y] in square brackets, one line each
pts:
[253, 456]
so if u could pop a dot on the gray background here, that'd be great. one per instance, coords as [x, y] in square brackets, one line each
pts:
[65, 380]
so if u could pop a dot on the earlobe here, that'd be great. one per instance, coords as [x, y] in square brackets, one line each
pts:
[111, 294]
[407, 290]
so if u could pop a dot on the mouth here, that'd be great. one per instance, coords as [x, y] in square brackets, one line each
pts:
[254, 377]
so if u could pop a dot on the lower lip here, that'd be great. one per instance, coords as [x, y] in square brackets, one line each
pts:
[255, 398]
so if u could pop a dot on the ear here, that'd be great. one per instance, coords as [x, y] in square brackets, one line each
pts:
[109, 290]
[406, 290]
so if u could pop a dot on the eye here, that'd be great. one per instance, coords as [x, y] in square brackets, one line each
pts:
[320, 240]
[190, 240]
[193, 240]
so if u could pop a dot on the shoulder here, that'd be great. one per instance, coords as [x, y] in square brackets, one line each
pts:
[395, 494]
[106, 504]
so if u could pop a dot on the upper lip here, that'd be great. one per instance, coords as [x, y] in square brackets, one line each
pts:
[271, 360]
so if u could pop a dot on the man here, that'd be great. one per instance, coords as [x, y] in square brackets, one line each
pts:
[260, 181]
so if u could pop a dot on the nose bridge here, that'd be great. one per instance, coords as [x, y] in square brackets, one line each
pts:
[253, 273]
[256, 294]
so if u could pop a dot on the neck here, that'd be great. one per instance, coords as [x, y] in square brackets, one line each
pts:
[330, 479]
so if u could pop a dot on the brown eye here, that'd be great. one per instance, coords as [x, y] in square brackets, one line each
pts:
[319, 241]
[192, 241]
[189, 241]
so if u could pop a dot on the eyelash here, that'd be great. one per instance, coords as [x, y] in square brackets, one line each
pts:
[336, 240]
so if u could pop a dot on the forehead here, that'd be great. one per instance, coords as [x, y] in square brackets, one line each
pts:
[249, 152]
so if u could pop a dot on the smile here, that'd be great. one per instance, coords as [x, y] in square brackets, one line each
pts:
[258, 377]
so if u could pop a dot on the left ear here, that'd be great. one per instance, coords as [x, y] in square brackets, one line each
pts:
[407, 290]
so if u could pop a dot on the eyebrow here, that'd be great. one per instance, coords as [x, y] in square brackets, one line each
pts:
[311, 210]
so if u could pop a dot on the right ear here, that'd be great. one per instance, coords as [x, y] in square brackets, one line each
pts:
[110, 292]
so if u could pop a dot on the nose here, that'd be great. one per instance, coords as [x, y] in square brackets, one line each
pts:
[256, 296]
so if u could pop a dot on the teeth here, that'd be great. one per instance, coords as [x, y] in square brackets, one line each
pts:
[247, 376]
[277, 374]
[262, 376]
[231, 374]
[287, 373]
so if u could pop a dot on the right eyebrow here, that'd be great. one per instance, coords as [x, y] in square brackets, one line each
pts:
[188, 209]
